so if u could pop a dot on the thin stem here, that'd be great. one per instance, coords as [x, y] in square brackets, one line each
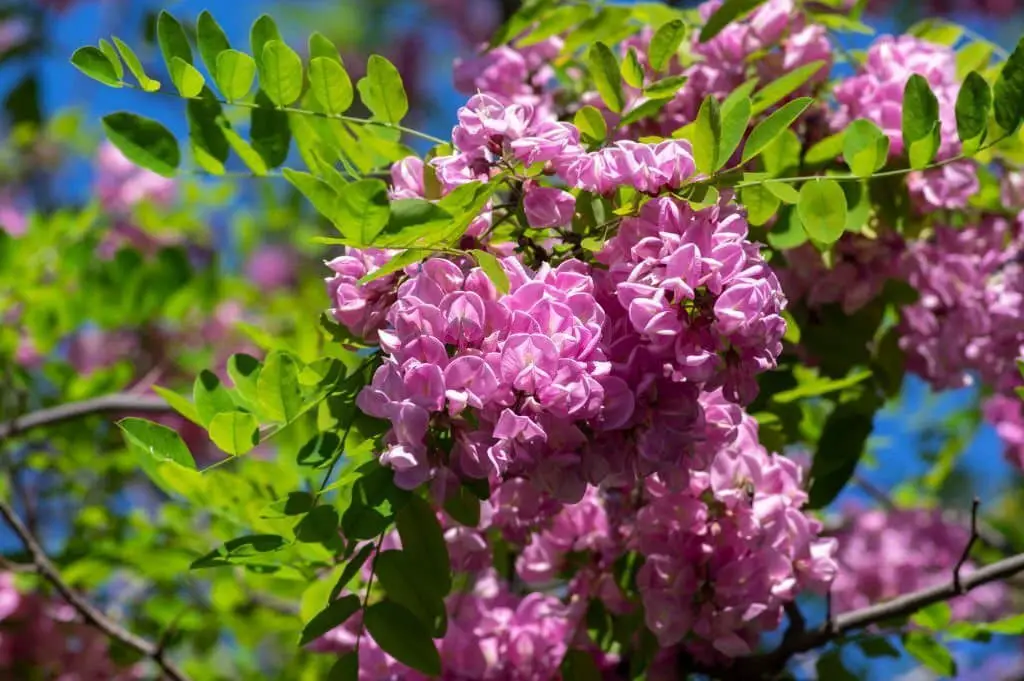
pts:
[302, 112]
[117, 402]
[92, 615]
[957, 582]
[369, 585]
[858, 178]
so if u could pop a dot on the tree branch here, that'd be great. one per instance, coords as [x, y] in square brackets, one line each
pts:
[770, 664]
[42, 565]
[73, 410]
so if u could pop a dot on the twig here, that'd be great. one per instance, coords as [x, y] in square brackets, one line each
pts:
[89, 612]
[957, 582]
[767, 665]
[73, 410]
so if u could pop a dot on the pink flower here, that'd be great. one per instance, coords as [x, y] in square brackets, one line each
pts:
[548, 206]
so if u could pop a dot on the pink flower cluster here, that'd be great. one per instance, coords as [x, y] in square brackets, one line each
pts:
[40, 638]
[876, 93]
[970, 315]
[884, 554]
[727, 552]
[696, 300]
[493, 635]
[1006, 414]
[510, 74]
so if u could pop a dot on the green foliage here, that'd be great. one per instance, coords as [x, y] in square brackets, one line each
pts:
[400, 634]
[920, 121]
[707, 136]
[765, 132]
[822, 210]
[725, 15]
[665, 43]
[865, 147]
[143, 141]
[604, 69]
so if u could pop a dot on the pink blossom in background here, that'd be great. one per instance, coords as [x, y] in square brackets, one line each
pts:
[120, 184]
[1006, 414]
[273, 267]
[883, 554]
[12, 217]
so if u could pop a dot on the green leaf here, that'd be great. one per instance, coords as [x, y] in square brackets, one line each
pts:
[244, 372]
[179, 403]
[143, 141]
[462, 505]
[423, 539]
[707, 136]
[352, 567]
[665, 44]
[492, 268]
[296, 503]
[725, 15]
[841, 23]
[787, 232]
[270, 131]
[330, 85]
[972, 107]
[210, 397]
[263, 31]
[920, 110]
[821, 386]
[604, 69]
[973, 57]
[826, 150]
[334, 615]
[645, 109]
[591, 124]
[135, 66]
[320, 526]
[400, 634]
[784, 191]
[172, 39]
[235, 432]
[735, 117]
[160, 442]
[111, 54]
[1011, 626]
[760, 203]
[278, 385]
[782, 156]
[865, 147]
[321, 46]
[398, 262]
[186, 77]
[937, 31]
[405, 584]
[94, 63]
[246, 550]
[346, 668]
[930, 653]
[320, 450]
[666, 88]
[319, 193]
[211, 40]
[922, 151]
[631, 69]
[822, 210]
[830, 666]
[774, 91]
[206, 124]
[935, 616]
[877, 646]
[235, 73]
[1008, 94]
[767, 130]
[382, 91]
[363, 211]
[560, 20]
[280, 73]
[579, 665]
[839, 450]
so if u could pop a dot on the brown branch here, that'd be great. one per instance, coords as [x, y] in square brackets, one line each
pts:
[42, 565]
[957, 583]
[770, 664]
[117, 402]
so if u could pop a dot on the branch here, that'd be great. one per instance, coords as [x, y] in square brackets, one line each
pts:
[42, 565]
[73, 410]
[770, 664]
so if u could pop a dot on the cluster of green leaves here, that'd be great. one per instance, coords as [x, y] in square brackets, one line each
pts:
[289, 100]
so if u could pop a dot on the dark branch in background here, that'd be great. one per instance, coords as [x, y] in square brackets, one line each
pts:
[68, 412]
[957, 581]
[770, 664]
[92, 616]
